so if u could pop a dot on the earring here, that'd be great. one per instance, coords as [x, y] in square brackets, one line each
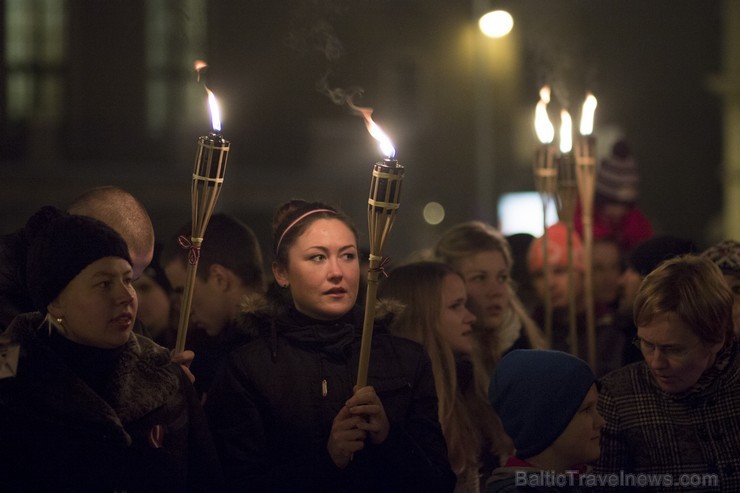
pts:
[284, 285]
[60, 320]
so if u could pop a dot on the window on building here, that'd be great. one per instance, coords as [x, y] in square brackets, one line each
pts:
[175, 38]
[34, 59]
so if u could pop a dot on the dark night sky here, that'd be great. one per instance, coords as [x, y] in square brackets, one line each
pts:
[648, 62]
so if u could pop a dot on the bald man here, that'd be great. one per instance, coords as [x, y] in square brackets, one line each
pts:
[112, 205]
[125, 214]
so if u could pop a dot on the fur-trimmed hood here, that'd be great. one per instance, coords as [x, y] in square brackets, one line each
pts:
[258, 303]
[267, 315]
[142, 381]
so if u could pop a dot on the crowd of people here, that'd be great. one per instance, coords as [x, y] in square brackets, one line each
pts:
[475, 383]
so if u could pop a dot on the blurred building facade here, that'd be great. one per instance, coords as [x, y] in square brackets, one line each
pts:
[100, 93]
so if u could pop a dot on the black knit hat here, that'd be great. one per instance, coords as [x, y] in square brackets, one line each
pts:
[60, 246]
[652, 252]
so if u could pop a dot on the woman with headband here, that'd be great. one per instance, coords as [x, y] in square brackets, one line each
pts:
[285, 411]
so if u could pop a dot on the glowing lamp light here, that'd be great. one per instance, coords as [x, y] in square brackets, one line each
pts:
[566, 132]
[496, 24]
[587, 115]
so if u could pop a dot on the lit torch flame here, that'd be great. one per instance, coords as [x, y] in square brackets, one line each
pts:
[566, 132]
[587, 115]
[386, 146]
[215, 111]
[542, 125]
[199, 65]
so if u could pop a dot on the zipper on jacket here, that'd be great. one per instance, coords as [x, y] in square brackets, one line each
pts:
[324, 388]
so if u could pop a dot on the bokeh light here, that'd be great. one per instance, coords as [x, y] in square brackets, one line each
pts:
[434, 213]
[496, 24]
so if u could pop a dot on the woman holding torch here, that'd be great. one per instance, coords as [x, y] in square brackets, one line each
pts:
[284, 411]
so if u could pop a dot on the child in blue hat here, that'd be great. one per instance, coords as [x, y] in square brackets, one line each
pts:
[547, 403]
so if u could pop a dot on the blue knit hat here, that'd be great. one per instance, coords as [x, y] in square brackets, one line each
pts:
[536, 393]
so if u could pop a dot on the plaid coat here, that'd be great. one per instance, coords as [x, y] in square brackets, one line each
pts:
[696, 432]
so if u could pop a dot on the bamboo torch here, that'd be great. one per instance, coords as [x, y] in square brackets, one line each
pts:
[567, 194]
[208, 178]
[545, 181]
[585, 153]
[382, 207]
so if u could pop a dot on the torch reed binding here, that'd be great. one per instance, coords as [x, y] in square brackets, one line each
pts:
[566, 200]
[546, 181]
[383, 203]
[208, 178]
[585, 153]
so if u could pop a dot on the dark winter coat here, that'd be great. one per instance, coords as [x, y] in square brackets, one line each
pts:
[271, 409]
[148, 434]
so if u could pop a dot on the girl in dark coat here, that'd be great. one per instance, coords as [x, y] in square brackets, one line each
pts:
[284, 411]
[91, 406]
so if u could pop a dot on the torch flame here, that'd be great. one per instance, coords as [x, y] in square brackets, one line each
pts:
[215, 111]
[542, 125]
[587, 115]
[566, 132]
[199, 65]
[545, 94]
[386, 146]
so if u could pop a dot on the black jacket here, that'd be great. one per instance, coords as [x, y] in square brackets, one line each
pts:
[271, 409]
[14, 296]
[148, 434]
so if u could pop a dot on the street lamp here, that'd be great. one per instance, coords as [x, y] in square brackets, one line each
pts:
[493, 64]
[496, 24]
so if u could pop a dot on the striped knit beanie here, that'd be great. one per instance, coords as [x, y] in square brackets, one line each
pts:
[726, 255]
[617, 178]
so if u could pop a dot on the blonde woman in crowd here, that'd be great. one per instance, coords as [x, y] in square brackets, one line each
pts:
[481, 254]
[435, 315]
